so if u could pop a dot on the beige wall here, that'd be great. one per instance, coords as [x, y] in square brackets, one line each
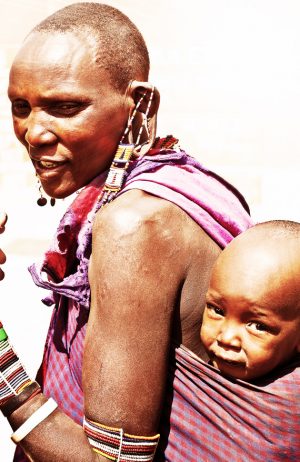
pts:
[229, 75]
[228, 71]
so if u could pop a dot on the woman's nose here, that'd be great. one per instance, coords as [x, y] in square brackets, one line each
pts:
[37, 131]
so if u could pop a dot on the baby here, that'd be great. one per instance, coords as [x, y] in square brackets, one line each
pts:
[251, 323]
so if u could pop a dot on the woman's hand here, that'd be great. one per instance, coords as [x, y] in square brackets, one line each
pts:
[3, 220]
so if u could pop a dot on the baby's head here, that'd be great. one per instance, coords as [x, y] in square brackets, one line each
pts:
[251, 322]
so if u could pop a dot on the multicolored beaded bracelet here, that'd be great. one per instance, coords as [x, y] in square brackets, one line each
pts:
[13, 377]
[118, 446]
[27, 393]
[3, 334]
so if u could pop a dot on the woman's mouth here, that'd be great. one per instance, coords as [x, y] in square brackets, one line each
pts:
[48, 170]
[42, 165]
[46, 164]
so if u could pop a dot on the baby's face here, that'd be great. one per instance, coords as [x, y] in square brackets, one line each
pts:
[250, 324]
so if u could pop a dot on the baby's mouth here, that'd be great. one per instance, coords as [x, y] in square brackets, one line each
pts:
[229, 362]
[233, 363]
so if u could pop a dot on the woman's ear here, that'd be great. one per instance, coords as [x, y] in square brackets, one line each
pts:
[137, 89]
[145, 98]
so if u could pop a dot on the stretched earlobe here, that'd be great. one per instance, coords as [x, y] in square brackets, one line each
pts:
[137, 89]
[143, 101]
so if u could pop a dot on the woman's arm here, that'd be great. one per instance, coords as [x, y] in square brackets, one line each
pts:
[3, 220]
[136, 272]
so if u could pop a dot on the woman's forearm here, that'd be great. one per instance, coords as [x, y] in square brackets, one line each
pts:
[56, 439]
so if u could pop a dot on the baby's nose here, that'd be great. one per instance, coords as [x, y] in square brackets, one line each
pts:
[229, 336]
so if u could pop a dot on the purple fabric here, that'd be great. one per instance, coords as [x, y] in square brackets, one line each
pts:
[60, 374]
[223, 214]
[205, 200]
[65, 266]
[210, 418]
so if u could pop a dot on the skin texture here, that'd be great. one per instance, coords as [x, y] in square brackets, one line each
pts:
[251, 321]
[150, 262]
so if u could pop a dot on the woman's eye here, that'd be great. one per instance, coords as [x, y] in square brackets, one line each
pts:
[20, 108]
[65, 109]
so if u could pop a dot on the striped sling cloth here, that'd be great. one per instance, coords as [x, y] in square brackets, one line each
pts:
[210, 418]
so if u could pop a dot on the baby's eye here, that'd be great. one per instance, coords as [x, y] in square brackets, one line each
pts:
[214, 310]
[258, 326]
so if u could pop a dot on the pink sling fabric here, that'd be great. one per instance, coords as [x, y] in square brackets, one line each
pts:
[208, 417]
[209, 200]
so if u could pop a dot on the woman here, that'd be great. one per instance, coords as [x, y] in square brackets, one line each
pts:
[130, 263]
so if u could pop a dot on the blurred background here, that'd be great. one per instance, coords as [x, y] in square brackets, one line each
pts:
[229, 76]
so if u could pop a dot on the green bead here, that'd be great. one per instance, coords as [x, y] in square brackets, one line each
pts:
[3, 335]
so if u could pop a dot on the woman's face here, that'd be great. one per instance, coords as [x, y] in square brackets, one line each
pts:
[65, 110]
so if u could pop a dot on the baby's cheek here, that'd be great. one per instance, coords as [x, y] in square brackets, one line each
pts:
[259, 357]
[205, 335]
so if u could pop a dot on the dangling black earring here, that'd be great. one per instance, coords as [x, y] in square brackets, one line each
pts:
[42, 199]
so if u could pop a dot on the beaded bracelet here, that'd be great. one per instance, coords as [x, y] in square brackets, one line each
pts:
[12, 404]
[116, 445]
[13, 377]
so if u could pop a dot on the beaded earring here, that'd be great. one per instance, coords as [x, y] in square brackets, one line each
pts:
[117, 171]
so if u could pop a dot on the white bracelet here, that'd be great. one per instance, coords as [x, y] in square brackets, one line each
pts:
[37, 417]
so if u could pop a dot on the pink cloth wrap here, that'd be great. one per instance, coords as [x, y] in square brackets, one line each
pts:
[202, 196]
[209, 200]
[208, 417]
